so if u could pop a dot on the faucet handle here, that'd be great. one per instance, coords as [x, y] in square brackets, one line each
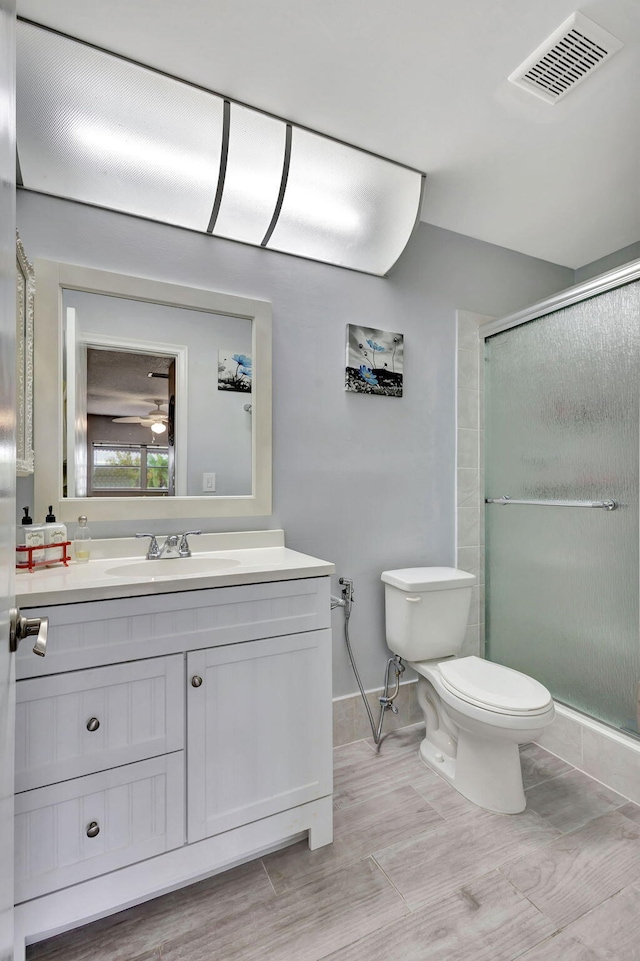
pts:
[185, 550]
[154, 550]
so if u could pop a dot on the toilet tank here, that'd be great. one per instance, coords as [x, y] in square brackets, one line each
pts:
[426, 611]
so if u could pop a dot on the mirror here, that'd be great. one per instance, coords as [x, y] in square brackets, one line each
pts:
[153, 400]
[125, 396]
[25, 288]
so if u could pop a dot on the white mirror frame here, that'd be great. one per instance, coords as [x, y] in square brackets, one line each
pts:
[53, 278]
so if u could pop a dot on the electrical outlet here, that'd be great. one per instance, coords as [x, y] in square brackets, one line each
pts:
[208, 483]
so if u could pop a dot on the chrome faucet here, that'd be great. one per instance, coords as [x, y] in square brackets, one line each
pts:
[185, 550]
[170, 548]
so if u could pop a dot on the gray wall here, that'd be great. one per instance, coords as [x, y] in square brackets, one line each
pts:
[610, 262]
[364, 481]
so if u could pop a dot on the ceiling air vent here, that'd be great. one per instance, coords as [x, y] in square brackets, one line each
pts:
[571, 54]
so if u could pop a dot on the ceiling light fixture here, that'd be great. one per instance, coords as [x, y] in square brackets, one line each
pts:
[100, 129]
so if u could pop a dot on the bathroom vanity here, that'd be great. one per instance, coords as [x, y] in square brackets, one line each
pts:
[179, 724]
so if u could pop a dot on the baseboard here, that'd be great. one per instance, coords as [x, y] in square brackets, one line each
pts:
[350, 720]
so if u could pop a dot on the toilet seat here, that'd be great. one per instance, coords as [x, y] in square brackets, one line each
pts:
[493, 687]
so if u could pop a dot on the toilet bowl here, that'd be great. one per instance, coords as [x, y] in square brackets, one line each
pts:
[476, 712]
[472, 742]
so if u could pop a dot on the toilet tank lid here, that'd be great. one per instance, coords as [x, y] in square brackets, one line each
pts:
[428, 578]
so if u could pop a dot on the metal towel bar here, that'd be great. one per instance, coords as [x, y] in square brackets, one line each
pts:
[607, 505]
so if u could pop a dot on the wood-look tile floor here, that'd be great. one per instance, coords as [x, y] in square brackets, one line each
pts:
[415, 872]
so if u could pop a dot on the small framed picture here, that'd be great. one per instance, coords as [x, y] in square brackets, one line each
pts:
[234, 372]
[374, 361]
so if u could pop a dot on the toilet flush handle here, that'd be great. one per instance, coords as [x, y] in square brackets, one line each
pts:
[414, 600]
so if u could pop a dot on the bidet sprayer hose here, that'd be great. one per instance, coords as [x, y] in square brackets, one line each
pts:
[386, 700]
[396, 660]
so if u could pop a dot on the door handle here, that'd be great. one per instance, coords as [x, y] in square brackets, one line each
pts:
[21, 627]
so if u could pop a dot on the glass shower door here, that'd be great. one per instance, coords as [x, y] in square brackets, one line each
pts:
[561, 423]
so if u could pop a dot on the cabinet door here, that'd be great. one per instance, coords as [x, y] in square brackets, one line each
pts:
[80, 829]
[258, 730]
[69, 725]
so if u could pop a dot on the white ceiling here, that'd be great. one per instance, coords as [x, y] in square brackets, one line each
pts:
[423, 82]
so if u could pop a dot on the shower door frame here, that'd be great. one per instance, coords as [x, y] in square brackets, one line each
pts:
[594, 287]
[565, 298]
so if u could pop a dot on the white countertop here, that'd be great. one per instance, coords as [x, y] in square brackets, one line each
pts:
[248, 563]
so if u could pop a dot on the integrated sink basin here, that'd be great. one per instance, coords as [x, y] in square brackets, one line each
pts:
[173, 567]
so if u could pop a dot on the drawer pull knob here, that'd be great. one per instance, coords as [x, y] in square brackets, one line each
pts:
[93, 830]
[196, 680]
[93, 724]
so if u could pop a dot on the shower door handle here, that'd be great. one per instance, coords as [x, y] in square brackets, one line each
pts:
[505, 500]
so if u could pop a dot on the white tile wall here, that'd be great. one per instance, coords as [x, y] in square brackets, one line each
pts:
[564, 738]
[470, 469]
[596, 749]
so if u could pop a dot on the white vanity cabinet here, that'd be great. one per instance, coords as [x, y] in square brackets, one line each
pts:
[167, 737]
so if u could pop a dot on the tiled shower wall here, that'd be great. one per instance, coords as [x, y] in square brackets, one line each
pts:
[470, 470]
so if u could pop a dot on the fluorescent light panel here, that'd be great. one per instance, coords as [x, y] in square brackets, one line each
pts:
[253, 175]
[99, 129]
[345, 206]
[102, 130]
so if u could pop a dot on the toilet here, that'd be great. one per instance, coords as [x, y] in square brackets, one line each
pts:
[476, 712]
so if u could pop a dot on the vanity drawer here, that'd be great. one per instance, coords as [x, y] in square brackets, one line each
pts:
[80, 829]
[105, 632]
[78, 723]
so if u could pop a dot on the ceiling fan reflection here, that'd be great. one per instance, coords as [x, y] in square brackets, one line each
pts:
[156, 419]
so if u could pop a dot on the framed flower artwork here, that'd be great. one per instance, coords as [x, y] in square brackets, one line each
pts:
[234, 372]
[374, 361]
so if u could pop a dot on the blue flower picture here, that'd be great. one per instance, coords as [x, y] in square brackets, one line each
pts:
[374, 361]
[234, 372]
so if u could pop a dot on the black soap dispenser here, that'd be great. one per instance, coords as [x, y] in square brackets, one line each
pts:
[55, 534]
[30, 535]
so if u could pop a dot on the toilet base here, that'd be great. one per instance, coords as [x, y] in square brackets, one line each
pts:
[485, 772]
[437, 761]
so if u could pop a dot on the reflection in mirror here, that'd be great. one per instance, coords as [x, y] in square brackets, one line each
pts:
[147, 416]
[130, 438]
[93, 328]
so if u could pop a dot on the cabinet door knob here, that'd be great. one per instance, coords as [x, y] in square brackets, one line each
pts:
[196, 680]
[93, 724]
[93, 830]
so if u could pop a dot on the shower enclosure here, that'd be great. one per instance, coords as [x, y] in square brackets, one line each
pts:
[562, 400]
